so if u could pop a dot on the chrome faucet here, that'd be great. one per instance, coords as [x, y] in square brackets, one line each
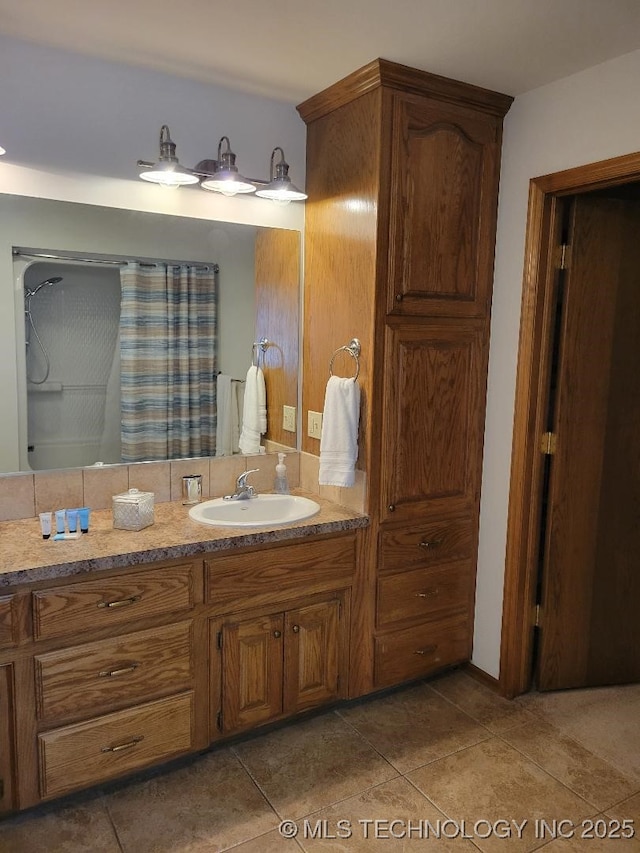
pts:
[243, 491]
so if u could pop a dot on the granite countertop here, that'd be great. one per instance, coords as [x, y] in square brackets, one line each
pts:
[25, 557]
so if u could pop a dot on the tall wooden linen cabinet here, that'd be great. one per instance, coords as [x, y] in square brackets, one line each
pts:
[402, 177]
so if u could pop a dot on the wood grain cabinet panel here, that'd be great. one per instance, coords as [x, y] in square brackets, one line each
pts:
[281, 663]
[420, 650]
[95, 677]
[7, 745]
[425, 594]
[427, 544]
[114, 601]
[8, 621]
[433, 420]
[115, 744]
[444, 173]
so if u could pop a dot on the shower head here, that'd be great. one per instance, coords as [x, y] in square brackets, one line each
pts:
[48, 281]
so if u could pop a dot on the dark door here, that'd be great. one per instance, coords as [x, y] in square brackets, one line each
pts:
[590, 621]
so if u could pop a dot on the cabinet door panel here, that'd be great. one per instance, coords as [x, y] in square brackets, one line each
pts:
[252, 660]
[6, 739]
[444, 181]
[314, 653]
[433, 420]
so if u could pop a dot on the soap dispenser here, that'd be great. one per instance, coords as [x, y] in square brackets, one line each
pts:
[281, 485]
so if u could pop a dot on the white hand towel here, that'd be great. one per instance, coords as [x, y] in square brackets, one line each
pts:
[339, 442]
[254, 411]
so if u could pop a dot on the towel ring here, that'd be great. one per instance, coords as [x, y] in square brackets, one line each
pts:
[354, 350]
[261, 345]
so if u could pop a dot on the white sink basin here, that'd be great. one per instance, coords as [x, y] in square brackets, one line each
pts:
[260, 511]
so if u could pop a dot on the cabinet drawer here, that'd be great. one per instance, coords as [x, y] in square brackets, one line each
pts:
[415, 652]
[241, 581]
[424, 593]
[8, 622]
[113, 601]
[426, 544]
[111, 673]
[83, 754]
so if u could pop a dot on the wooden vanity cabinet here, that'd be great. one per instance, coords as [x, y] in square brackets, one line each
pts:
[402, 177]
[7, 744]
[280, 640]
[114, 669]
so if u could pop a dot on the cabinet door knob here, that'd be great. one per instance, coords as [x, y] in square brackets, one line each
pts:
[277, 634]
[296, 629]
[427, 650]
[392, 507]
[430, 543]
[399, 297]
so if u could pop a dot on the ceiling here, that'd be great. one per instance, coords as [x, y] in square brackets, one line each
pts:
[291, 49]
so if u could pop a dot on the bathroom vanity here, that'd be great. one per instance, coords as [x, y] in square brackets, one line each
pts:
[119, 661]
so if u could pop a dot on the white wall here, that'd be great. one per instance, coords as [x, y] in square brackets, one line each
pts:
[590, 116]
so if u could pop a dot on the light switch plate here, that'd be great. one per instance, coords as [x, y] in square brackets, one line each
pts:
[314, 424]
[289, 418]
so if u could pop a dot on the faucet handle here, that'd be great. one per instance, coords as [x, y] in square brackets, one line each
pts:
[241, 482]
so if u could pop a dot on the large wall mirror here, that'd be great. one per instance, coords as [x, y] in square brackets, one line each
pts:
[63, 389]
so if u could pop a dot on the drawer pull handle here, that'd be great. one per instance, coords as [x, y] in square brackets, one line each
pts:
[430, 543]
[430, 593]
[296, 629]
[122, 602]
[427, 650]
[131, 743]
[106, 673]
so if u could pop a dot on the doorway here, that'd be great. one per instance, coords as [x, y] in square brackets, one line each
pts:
[557, 492]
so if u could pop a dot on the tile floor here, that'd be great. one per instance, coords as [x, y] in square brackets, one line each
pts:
[445, 765]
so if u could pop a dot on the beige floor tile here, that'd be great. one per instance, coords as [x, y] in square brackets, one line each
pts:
[390, 817]
[60, 829]
[308, 766]
[414, 726]
[559, 702]
[481, 703]
[628, 810]
[207, 805]
[590, 777]
[608, 728]
[272, 842]
[585, 838]
[491, 782]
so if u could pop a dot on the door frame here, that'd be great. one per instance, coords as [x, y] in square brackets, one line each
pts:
[525, 492]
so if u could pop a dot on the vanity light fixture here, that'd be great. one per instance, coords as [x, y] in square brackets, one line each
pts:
[167, 171]
[280, 188]
[227, 179]
[220, 175]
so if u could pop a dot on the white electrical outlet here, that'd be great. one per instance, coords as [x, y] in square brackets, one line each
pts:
[314, 424]
[289, 418]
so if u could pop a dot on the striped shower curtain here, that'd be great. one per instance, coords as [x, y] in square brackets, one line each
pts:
[168, 338]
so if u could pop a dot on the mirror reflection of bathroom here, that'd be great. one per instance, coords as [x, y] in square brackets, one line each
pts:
[120, 361]
[72, 315]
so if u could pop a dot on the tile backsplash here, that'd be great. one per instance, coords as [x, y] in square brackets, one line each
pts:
[25, 495]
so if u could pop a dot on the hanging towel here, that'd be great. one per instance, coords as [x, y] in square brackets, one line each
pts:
[339, 442]
[254, 411]
[224, 441]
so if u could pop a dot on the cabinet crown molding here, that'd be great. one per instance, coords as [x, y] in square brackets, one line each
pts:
[392, 75]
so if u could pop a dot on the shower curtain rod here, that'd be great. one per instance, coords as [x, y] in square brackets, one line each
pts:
[112, 260]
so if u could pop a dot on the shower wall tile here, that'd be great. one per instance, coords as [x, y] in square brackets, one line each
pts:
[101, 484]
[152, 477]
[17, 497]
[184, 468]
[58, 490]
